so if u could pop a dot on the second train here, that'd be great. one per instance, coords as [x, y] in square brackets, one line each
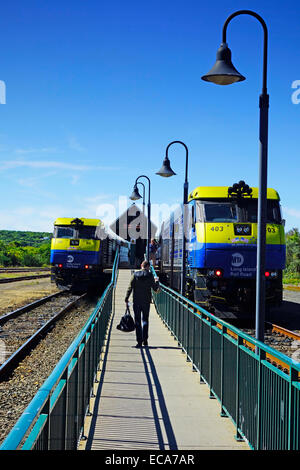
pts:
[222, 247]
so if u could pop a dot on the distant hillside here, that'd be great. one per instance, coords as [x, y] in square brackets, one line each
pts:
[25, 238]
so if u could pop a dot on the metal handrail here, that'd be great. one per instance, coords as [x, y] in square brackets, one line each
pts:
[41, 410]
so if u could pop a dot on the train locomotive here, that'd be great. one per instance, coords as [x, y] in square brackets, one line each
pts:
[82, 251]
[222, 247]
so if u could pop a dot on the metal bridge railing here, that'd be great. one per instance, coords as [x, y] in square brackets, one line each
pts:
[262, 400]
[55, 417]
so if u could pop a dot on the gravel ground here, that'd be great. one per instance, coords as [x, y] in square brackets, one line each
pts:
[15, 295]
[17, 392]
[16, 331]
[288, 346]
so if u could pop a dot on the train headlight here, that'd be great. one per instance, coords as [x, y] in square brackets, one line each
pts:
[242, 229]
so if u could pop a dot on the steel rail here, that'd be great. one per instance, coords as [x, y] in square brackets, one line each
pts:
[284, 331]
[23, 278]
[23, 270]
[8, 366]
[28, 307]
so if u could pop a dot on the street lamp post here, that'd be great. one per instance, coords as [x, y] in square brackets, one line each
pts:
[166, 172]
[142, 184]
[136, 195]
[223, 73]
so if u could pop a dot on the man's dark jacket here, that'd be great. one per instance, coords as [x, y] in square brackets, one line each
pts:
[141, 284]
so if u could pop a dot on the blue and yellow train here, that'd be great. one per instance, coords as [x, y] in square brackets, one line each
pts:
[81, 252]
[222, 247]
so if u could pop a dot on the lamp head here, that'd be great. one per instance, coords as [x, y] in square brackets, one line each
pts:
[135, 194]
[223, 72]
[166, 170]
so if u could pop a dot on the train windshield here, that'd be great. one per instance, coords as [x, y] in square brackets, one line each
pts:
[249, 211]
[64, 232]
[220, 212]
[243, 210]
[88, 233]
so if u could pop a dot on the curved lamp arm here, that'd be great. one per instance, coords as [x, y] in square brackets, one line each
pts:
[265, 53]
[139, 182]
[186, 152]
[149, 183]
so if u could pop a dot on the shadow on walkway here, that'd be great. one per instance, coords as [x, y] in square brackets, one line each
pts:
[130, 409]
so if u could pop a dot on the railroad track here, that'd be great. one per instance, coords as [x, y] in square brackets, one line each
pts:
[19, 388]
[281, 339]
[23, 278]
[23, 270]
[285, 341]
[22, 329]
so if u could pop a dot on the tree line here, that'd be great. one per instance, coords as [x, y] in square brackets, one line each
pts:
[292, 271]
[18, 248]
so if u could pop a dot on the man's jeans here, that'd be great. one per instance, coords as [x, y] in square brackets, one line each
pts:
[141, 318]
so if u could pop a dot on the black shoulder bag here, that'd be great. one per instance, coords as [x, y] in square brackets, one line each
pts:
[127, 322]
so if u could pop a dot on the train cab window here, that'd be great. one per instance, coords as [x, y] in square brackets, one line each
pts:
[249, 210]
[220, 212]
[88, 233]
[64, 232]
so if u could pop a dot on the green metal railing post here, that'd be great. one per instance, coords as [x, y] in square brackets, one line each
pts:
[238, 436]
[293, 377]
[47, 431]
[211, 395]
[193, 355]
[201, 352]
[223, 414]
[65, 408]
[261, 357]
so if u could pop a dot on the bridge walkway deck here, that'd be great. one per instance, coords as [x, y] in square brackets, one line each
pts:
[149, 398]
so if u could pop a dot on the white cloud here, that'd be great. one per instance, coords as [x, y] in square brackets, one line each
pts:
[75, 179]
[40, 164]
[34, 181]
[35, 150]
[97, 198]
[292, 212]
[75, 145]
[36, 219]
[5, 165]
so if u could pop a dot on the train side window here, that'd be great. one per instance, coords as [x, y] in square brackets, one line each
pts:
[199, 212]
[193, 216]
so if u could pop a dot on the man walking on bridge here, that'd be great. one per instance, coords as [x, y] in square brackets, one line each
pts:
[141, 284]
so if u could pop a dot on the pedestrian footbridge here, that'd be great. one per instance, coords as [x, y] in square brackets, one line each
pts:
[150, 398]
[200, 384]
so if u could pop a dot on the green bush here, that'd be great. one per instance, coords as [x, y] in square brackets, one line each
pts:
[15, 252]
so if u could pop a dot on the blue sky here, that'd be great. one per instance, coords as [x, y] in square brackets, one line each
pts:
[95, 90]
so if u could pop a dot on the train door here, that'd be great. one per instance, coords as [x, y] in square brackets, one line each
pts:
[192, 236]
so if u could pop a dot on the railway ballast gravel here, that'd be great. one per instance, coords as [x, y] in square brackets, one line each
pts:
[17, 392]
